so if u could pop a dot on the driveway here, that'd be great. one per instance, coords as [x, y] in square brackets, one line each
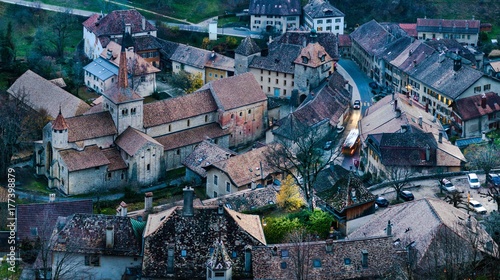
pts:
[430, 188]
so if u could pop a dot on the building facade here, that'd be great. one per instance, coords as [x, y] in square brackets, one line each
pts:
[320, 15]
[274, 16]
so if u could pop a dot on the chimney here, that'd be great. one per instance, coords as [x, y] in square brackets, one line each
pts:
[420, 121]
[457, 63]
[52, 197]
[427, 153]
[110, 237]
[389, 228]
[220, 209]
[109, 54]
[143, 23]
[395, 104]
[122, 209]
[398, 113]
[440, 139]
[148, 201]
[128, 28]
[187, 210]
[483, 100]
[483, 137]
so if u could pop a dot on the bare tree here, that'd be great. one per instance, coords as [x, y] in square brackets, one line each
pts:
[19, 125]
[62, 24]
[398, 175]
[454, 252]
[483, 157]
[300, 253]
[301, 154]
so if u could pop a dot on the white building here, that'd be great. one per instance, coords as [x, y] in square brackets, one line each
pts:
[322, 16]
[274, 15]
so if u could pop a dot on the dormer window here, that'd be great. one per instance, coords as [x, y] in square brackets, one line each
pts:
[305, 60]
[323, 58]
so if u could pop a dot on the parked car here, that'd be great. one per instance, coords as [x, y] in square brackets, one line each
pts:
[357, 104]
[373, 85]
[473, 181]
[493, 180]
[446, 185]
[406, 195]
[477, 207]
[340, 129]
[381, 201]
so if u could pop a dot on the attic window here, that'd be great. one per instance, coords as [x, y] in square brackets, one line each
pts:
[183, 253]
[305, 60]
[92, 260]
[283, 265]
[316, 263]
[285, 253]
[34, 231]
[234, 254]
[347, 261]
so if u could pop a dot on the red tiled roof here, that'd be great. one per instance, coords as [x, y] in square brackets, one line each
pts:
[131, 140]
[113, 23]
[90, 126]
[410, 28]
[344, 40]
[245, 168]
[183, 107]
[470, 107]
[237, 91]
[59, 123]
[313, 52]
[191, 136]
[91, 156]
[116, 162]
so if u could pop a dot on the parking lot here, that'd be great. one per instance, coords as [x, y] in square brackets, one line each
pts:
[430, 188]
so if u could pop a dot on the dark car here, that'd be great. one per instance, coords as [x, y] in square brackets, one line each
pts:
[373, 85]
[493, 180]
[381, 202]
[406, 195]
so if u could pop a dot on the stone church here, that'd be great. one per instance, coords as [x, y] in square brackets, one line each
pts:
[123, 141]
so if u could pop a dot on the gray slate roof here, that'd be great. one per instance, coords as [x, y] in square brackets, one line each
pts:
[328, 40]
[280, 59]
[321, 9]
[275, 7]
[372, 37]
[441, 77]
[247, 47]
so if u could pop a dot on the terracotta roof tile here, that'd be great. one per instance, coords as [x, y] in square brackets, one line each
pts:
[448, 25]
[469, 108]
[131, 140]
[116, 162]
[43, 94]
[344, 40]
[313, 52]
[174, 109]
[244, 168]
[191, 136]
[135, 62]
[204, 154]
[59, 123]
[90, 157]
[301, 38]
[43, 216]
[112, 23]
[410, 28]
[90, 126]
[237, 91]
